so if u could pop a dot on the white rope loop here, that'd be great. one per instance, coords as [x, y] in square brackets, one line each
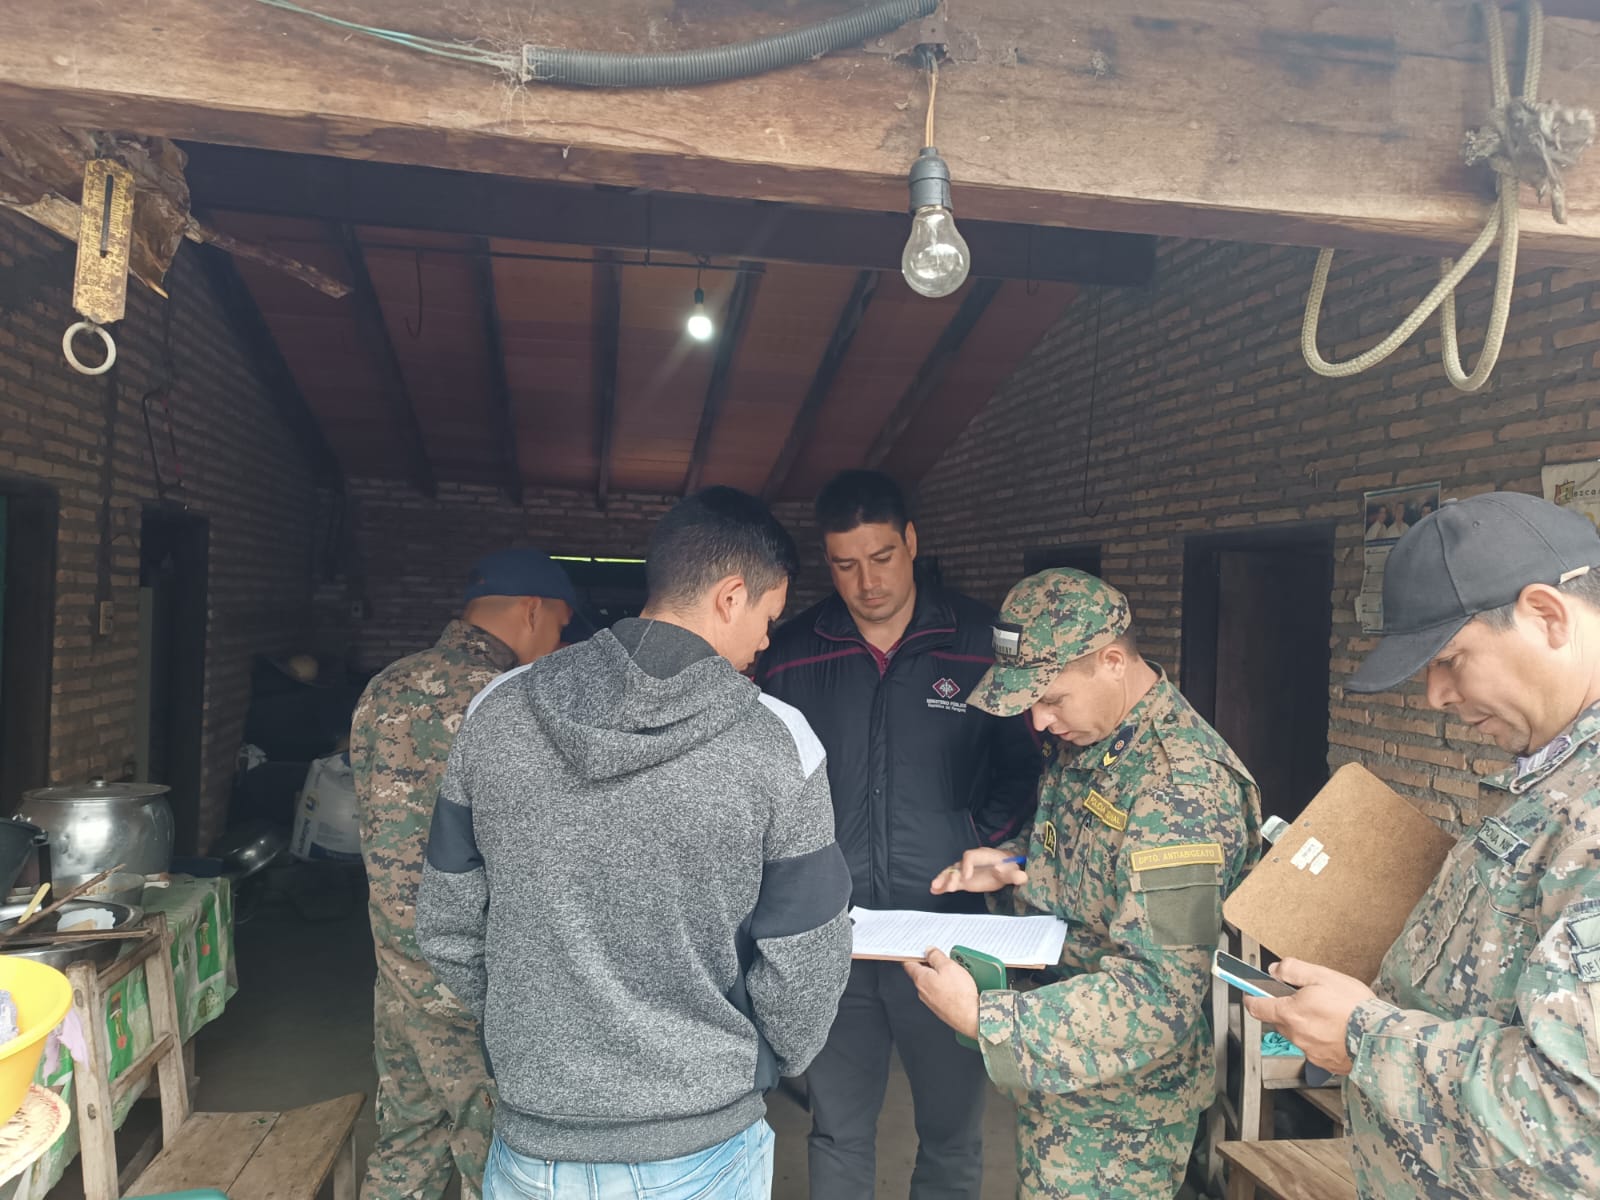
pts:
[106, 341]
[1502, 222]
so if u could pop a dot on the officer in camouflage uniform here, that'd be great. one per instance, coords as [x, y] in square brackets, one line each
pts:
[435, 1100]
[1474, 1059]
[1146, 818]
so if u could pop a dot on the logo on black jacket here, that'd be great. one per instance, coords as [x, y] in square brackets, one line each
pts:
[947, 690]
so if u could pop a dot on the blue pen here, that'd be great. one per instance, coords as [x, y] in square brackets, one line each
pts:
[1020, 859]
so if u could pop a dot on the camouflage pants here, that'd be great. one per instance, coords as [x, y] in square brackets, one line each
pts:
[1057, 1160]
[435, 1104]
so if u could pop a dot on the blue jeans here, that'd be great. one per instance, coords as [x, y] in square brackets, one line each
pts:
[737, 1169]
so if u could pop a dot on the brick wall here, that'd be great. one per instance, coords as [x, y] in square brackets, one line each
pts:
[408, 556]
[244, 473]
[1207, 419]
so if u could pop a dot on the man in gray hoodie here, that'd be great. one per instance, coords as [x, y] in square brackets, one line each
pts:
[632, 881]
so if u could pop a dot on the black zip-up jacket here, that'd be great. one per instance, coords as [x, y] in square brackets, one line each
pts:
[917, 777]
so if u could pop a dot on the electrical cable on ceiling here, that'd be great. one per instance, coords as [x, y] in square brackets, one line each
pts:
[683, 68]
[1526, 141]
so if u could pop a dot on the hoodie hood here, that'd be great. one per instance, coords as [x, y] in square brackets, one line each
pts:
[635, 696]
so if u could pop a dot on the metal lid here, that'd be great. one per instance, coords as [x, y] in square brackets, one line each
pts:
[97, 789]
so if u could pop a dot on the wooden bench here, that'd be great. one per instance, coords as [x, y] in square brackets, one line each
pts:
[249, 1156]
[1315, 1169]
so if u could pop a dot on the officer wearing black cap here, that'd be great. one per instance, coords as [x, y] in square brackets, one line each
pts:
[1474, 1058]
[434, 1105]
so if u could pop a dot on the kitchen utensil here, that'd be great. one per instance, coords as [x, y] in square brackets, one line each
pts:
[122, 886]
[33, 905]
[28, 919]
[95, 951]
[250, 848]
[93, 825]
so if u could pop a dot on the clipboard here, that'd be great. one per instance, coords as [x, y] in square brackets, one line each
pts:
[1338, 885]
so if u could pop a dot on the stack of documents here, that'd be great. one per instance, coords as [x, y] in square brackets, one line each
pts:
[901, 936]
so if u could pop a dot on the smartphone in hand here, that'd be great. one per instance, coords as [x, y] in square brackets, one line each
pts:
[1252, 981]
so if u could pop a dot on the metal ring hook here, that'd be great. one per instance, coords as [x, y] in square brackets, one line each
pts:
[72, 358]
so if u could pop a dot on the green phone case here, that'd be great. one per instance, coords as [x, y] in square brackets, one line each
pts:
[987, 971]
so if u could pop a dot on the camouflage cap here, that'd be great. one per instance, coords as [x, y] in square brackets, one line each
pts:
[1048, 620]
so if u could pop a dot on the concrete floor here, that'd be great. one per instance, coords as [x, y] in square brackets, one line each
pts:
[300, 1031]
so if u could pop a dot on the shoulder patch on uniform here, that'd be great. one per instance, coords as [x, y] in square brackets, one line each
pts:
[1119, 746]
[1185, 855]
[1583, 931]
[1500, 840]
[1108, 812]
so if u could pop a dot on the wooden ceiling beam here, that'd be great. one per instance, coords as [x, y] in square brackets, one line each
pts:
[503, 423]
[607, 339]
[746, 286]
[833, 355]
[243, 313]
[374, 334]
[933, 369]
[1250, 120]
[436, 201]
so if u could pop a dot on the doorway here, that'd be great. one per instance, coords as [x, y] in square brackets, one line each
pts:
[174, 549]
[28, 515]
[1257, 624]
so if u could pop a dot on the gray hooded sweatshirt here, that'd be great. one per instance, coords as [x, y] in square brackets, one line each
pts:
[632, 881]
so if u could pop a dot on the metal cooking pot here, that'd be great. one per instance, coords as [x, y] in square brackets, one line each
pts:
[94, 826]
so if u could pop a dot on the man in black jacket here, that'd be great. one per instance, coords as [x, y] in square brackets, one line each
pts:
[882, 671]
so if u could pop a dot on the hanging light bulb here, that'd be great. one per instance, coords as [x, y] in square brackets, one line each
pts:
[936, 259]
[699, 324]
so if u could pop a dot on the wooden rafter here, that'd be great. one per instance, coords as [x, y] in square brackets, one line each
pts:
[1253, 120]
[805, 419]
[933, 369]
[438, 201]
[374, 334]
[734, 322]
[607, 337]
[245, 316]
[502, 419]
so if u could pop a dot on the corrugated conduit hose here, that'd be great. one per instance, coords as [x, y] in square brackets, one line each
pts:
[684, 68]
[590, 68]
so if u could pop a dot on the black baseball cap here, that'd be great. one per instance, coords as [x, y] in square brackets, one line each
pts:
[521, 572]
[1469, 557]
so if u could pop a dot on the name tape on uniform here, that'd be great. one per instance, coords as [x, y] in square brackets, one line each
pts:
[1108, 812]
[1176, 856]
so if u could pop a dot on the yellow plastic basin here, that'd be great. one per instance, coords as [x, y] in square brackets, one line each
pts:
[43, 996]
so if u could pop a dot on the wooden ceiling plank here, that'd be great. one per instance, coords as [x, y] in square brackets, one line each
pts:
[734, 322]
[431, 200]
[501, 412]
[833, 355]
[607, 339]
[239, 306]
[374, 334]
[933, 369]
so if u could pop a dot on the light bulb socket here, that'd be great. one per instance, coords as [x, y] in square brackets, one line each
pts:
[930, 181]
[700, 296]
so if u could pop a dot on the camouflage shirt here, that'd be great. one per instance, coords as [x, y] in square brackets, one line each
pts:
[1477, 1070]
[399, 743]
[1134, 844]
